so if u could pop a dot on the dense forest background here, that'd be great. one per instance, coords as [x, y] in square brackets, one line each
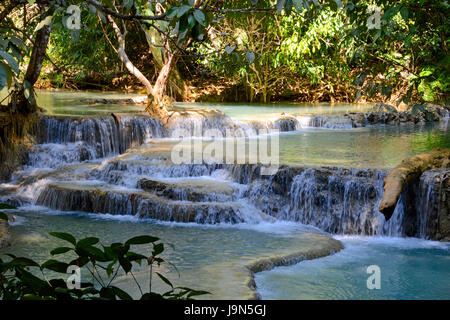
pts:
[240, 51]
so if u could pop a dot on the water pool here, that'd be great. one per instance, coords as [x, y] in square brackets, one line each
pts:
[410, 269]
[211, 258]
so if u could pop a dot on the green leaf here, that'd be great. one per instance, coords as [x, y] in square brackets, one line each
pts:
[121, 294]
[182, 10]
[193, 293]
[126, 265]
[164, 279]
[45, 22]
[80, 261]
[64, 236]
[55, 265]
[229, 49]
[60, 250]
[200, 17]
[11, 61]
[280, 5]
[151, 296]
[298, 5]
[108, 293]
[5, 79]
[86, 242]
[191, 21]
[128, 4]
[404, 13]
[24, 262]
[172, 12]
[141, 240]
[27, 89]
[97, 254]
[132, 256]
[426, 73]
[19, 43]
[157, 249]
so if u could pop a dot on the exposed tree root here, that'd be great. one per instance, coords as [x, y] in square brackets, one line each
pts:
[408, 171]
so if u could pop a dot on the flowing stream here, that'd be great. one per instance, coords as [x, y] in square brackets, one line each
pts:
[92, 174]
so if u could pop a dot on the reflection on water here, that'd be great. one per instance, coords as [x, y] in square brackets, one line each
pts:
[410, 269]
[76, 103]
[381, 146]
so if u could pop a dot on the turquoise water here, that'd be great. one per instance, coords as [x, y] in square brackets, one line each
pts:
[410, 269]
[65, 102]
[272, 111]
[76, 103]
[210, 258]
[380, 146]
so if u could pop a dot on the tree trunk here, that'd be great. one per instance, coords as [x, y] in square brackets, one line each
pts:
[176, 82]
[157, 107]
[19, 102]
[407, 171]
[157, 101]
[126, 61]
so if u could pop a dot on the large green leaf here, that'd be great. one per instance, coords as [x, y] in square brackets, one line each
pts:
[141, 240]
[182, 10]
[200, 17]
[280, 5]
[172, 12]
[60, 250]
[56, 266]
[24, 262]
[10, 60]
[90, 241]
[45, 22]
[64, 236]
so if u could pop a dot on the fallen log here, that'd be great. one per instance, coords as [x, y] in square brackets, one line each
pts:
[408, 171]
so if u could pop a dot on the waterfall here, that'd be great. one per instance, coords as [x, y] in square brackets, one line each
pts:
[337, 201]
[346, 201]
[63, 173]
[103, 134]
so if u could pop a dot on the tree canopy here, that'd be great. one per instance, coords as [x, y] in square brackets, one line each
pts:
[324, 50]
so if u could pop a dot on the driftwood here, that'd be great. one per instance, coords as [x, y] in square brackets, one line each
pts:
[408, 171]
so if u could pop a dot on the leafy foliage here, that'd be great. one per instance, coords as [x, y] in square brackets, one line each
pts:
[24, 279]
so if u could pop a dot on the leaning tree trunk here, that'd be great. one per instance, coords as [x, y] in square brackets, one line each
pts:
[175, 83]
[124, 57]
[156, 94]
[20, 103]
[408, 171]
[157, 107]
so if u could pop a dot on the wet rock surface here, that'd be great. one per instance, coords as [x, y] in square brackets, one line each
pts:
[146, 184]
[388, 115]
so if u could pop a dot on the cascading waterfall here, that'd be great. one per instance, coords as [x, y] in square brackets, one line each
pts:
[337, 200]
[105, 134]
